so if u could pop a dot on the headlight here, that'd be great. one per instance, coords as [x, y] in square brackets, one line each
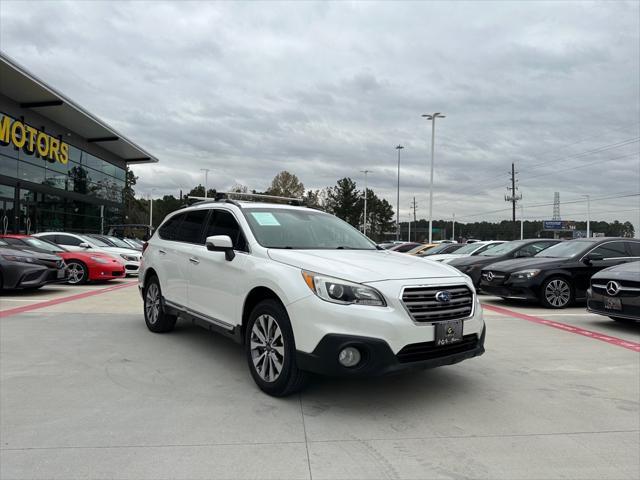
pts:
[524, 274]
[343, 292]
[129, 258]
[99, 260]
[18, 258]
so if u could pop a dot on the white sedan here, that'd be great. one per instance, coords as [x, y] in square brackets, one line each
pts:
[466, 251]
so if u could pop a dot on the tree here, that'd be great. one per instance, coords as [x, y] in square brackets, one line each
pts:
[343, 200]
[286, 184]
[380, 217]
[238, 188]
[199, 192]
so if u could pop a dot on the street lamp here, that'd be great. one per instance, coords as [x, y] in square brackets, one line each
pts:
[432, 117]
[398, 147]
[364, 228]
[151, 209]
[206, 176]
[588, 215]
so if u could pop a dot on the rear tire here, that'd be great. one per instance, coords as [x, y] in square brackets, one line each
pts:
[78, 273]
[271, 351]
[556, 292]
[154, 315]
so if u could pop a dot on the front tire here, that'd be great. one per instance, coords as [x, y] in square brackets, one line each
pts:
[556, 292]
[271, 351]
[154, 315]
[78, 273]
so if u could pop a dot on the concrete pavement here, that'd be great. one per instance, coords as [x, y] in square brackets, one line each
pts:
[88, 392]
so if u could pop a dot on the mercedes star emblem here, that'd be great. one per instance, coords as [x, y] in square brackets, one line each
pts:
[613, 288]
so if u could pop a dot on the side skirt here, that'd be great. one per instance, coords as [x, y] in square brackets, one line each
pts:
[211, 324]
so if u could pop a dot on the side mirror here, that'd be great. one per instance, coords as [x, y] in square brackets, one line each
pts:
[221, 243]
[592, 257]
[84, 245]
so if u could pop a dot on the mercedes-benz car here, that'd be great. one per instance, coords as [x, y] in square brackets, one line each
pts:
[615, 292]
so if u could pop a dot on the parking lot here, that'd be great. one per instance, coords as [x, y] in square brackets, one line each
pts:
[88, 392]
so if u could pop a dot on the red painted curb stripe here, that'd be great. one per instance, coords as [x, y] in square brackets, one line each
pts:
[567, 328]
[57, 301]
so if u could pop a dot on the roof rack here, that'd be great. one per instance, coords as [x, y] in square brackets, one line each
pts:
[255, 197]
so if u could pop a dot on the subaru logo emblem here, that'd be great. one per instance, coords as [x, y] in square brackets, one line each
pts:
[613, 288]
[443, 296]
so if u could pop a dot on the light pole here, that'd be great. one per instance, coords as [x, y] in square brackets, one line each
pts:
[588, 215]
[364, 228]
[206, 177]
[453, 228]
[151, 209]
[432, 117]
[521, 222]
[398, 147]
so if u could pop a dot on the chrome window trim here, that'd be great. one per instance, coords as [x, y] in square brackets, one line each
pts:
[605, 243]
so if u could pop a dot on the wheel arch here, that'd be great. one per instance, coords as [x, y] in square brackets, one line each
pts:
[148, 273]
[255, 296]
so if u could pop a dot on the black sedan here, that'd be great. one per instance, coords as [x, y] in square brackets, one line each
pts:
[26, 270]
[615, 292]
[474, 264]
[559, 275]
[442, 248]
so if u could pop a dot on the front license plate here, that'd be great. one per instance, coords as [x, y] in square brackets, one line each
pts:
[448, 332]
[611, 303]
[60, 273]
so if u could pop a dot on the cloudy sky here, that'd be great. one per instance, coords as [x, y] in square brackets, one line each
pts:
[326, 90]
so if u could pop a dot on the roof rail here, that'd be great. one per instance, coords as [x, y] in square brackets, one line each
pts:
[224, 196]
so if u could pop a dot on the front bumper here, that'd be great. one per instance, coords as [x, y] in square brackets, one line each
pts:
[106, 272]
[522, 291]
[378, 359]
[21, 275]
[630, 306]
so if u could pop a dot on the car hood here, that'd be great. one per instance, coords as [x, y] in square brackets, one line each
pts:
[445, 256]
[126, 251]
[627, 271]
[25, 252]
[363, 266]
[474, 260]
[525, 263]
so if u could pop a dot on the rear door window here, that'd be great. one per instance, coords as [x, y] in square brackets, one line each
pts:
[634, 248]
[169, 230]
[192, 226]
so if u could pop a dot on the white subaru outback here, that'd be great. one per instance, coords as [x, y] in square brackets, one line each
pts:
[305, 292]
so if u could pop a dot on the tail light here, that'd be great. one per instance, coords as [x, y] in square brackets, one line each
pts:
[144, 246]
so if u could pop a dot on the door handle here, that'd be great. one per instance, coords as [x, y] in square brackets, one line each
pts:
[162, 252]
[194, 260]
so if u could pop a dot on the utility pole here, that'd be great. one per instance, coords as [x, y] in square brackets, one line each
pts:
[364, 227]
[398, 147]
[413, 205]
[206, 176]
[521, 221]
[432, 117]
[513, 197]
[150, 212]
[588, 215]
[453, 229]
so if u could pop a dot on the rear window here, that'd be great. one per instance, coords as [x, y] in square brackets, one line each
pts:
[191, 228]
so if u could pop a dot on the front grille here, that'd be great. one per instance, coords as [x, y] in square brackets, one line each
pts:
[493, 277]
[417, 352]
[117, 273]
[628, 288]
[423, 307]
[131, 267]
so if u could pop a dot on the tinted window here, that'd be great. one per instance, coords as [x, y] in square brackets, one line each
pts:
[612, 250]
[68, 240]
[191, 228]
[635, 248]
[222, 222]
[169, 230]
[533, 249]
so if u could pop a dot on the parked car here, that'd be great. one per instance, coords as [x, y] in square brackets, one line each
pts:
[425, 247]
[82, 267]
[441, 249]
[404, 247]
[467, 250]
[75, 242]
[305, 292]
[559, 275]
[27, 270]
[473, 265]
[615, 292]
[114, 241]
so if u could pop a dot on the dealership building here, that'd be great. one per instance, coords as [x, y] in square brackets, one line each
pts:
[61, 168]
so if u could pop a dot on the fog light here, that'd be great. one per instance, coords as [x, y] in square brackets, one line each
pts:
[349, 357]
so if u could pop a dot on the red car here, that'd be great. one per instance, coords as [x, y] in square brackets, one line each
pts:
[82, 267]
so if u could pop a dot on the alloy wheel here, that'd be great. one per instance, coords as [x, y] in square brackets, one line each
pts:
[267, 348]
[557, 293]
[76, 273]
[152, 303]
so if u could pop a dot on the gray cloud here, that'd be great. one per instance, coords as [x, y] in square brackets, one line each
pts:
[328, 89]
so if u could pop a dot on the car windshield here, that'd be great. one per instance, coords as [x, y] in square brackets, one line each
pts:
[43, 245]
[470, 248]
[502, 248]
[304, 229]
[118, 243]
[565, 250]
[94, 241]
